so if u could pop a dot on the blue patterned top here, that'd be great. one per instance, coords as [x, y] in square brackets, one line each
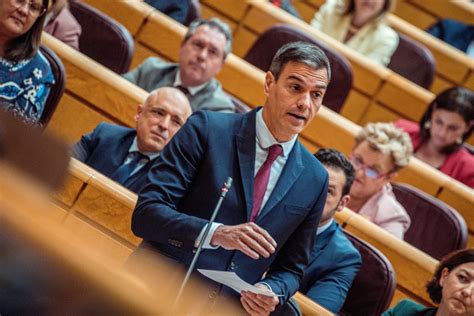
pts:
[25, 86]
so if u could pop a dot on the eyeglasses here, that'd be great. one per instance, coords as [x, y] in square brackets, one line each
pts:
[35, 10]
[369, 171]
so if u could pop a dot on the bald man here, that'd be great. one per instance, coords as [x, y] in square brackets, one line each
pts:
[125, 154]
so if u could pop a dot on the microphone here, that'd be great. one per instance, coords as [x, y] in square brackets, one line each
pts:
[225, 188]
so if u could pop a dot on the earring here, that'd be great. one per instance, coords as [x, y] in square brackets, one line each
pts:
[459, 141]
[427, 125]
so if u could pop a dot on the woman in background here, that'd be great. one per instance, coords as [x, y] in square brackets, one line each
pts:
[360, 24]
[25, 74]
[439, 138]
[452, 287]
[61, 23]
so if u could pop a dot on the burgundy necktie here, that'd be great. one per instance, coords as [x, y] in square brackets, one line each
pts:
[261, 179]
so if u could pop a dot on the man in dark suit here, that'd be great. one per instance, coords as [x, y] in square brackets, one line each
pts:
[201, 56]
[125, 154]
[267, 221]
[334, 261]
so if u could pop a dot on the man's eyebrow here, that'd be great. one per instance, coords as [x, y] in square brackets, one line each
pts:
[318, 86]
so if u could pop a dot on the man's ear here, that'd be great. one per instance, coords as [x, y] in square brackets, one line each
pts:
[269, 81]
[139, 112]
[343, 202]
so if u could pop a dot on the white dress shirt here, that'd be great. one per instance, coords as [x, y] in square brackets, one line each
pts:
[142, 162]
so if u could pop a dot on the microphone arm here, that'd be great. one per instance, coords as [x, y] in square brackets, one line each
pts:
[225, 188]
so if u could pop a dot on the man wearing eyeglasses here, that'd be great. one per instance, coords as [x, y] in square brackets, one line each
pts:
[381, 150]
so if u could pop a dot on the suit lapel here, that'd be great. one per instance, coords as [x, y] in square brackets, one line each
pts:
[118, 153]
[288, 177]
[245, 145]
[321, 242]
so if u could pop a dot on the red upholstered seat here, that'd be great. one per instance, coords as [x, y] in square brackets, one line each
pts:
[413, 61]
[57, 89]
[373, 288]
[436, 228]
[103, 39]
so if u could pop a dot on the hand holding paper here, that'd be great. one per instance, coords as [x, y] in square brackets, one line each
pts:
[232, 280]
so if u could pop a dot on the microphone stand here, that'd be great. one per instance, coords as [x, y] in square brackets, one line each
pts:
[225, 188]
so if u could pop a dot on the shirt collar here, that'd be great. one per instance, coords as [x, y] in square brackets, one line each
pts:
[134, 147]
[322, 229]
[192, 90]
[266, 139]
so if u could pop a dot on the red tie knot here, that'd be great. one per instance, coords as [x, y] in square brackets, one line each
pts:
[274, 152]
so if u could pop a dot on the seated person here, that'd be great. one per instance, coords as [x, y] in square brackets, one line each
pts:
[203, 51]
[25, 74]
[439, 138]
[451, 289]
[360, 24]
[125, 154]
[334, 261]
[380, 151]
[177, 10]
[455, 33]
[62, 24]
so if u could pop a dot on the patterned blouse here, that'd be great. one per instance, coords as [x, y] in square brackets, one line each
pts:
[25, 86]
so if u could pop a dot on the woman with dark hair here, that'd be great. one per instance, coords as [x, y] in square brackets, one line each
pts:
[438, 138]
[360, 24]
[25, 74]
[451, 288]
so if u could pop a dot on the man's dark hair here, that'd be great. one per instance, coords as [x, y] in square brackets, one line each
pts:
[27, 45]
[214, 23]
[449, 262]
[300, 52]
[335, 159]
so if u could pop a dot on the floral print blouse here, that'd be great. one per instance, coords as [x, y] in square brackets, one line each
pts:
[25, 86]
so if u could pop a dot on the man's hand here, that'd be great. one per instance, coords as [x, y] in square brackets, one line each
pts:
[249, 238]
[258, 304]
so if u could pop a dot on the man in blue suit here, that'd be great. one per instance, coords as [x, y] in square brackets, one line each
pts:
[125, 154]
[267, 221]
[334, 261]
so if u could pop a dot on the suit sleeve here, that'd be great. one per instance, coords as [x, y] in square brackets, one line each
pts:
[84, 148]
[142, 73]
[331, 290]
[156, 216]
[285, 273]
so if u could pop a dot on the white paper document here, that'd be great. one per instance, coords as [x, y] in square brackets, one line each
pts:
[232, 280]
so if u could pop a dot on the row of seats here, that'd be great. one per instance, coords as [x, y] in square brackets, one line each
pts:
[425, 13]
[90, 195]
[452, 67]
[72, 266]
[166, 31]
[91, 203]
[111, 106]
[378, 94]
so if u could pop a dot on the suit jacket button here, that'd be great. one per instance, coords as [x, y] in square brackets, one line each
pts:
[233, 266]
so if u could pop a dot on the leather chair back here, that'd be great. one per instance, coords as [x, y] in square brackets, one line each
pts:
[374, 285]
[194, 11]
[436, 228]
[240, 107]
[262, 51]
[103, 39]
[413, 61]
[57, 89]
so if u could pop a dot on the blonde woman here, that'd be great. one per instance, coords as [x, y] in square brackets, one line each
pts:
[360, 24]
[381, 150]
